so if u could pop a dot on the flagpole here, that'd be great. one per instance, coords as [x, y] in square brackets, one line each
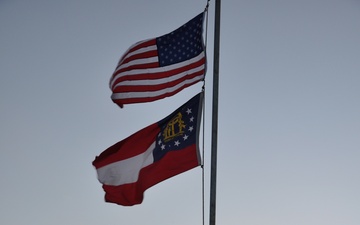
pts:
[215, 107]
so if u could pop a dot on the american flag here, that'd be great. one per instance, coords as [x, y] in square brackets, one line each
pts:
[161, 67]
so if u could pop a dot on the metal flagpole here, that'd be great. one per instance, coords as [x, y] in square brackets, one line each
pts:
[215, 107]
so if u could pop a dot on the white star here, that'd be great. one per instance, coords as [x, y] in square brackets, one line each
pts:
[177, 143]
[162, 147]
[185, 137]
[191, 128]
[159, 142]
[192, 119]
[188, 111]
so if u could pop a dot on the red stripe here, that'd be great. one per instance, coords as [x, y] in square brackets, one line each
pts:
[128, 147]
[144, 44]
[159, 75]
[121, 102]
[137, 67]
[173, 163]
[143, 55]
[157, 87]
[138, 46]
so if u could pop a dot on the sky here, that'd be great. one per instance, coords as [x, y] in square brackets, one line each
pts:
[289, 127]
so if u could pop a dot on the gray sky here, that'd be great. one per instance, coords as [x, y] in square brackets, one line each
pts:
[289, 128]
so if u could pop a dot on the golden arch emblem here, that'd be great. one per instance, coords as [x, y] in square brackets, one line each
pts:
[175, 127]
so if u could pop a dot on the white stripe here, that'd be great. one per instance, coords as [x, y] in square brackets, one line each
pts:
[146, 94]
[125, 171]
[138, 62]
[133, 46]
[142, 50]
[158, 69]
[159, 81]
[139, 51]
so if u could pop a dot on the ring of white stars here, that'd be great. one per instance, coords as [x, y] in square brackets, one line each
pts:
[184, 137]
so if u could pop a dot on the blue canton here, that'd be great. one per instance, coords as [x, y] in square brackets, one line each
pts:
[189, 117]
[182, 44]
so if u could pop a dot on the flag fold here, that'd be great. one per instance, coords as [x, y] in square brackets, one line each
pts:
[151, 155]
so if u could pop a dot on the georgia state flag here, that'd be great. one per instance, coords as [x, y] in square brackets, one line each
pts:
[151, 155]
